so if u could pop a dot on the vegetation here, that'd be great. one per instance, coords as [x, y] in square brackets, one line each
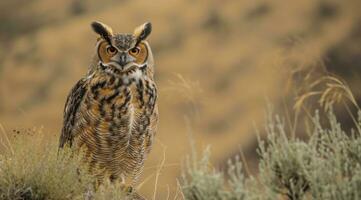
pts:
[201, 181]
[327, 166]
[32, 168]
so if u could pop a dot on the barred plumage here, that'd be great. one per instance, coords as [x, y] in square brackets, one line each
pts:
[111, 115]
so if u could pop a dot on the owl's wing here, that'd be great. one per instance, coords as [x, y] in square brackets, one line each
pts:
[153, 130]
[72, 104]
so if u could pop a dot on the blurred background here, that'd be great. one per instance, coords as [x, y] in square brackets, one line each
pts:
[218, 65]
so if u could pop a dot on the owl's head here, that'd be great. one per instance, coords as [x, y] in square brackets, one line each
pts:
[122, 53]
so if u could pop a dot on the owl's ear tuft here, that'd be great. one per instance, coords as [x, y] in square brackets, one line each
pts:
[143, 31]
[103, 30]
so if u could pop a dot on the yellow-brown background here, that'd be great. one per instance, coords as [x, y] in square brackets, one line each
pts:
[218, 63]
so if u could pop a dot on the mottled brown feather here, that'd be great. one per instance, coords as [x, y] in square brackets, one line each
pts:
[72, 104]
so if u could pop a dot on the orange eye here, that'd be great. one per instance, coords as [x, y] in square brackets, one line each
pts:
[111, 50]
[135, 51]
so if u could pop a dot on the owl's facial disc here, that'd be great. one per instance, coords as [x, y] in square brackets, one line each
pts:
[123, 60]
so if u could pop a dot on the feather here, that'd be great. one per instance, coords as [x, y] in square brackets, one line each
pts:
[142, 31]
[103, 30]
[70, 110]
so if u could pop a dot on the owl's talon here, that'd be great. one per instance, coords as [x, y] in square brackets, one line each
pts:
[127, 189]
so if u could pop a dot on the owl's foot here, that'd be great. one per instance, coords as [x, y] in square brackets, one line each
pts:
[127, 189]
[133, 194]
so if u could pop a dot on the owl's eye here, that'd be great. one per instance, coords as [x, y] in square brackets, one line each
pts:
[111, 50]
[135, 51]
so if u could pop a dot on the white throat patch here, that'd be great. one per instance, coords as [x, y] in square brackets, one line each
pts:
[136, 75]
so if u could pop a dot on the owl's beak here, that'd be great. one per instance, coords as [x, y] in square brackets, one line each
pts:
[122, 61]
[125, 58]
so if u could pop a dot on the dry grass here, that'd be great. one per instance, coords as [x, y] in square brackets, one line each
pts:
[330, 90]
[32, 168]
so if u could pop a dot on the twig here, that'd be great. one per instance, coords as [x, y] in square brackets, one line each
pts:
[158, 173]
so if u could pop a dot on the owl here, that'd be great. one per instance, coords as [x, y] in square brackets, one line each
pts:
[111, 114]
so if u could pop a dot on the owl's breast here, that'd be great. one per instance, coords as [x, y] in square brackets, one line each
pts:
[115, 123]
[104, 118]
[144, 93]
[113, 106]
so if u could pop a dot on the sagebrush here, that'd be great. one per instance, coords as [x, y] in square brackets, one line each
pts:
[327, 166]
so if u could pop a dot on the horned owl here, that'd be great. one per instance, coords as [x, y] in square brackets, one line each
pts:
[111, 114]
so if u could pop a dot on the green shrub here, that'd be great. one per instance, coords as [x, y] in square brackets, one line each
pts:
[201, 181]
[327, 166]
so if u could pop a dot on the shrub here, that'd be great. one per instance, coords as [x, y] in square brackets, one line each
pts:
[203, 182]
[326, 166]
[31, 168]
